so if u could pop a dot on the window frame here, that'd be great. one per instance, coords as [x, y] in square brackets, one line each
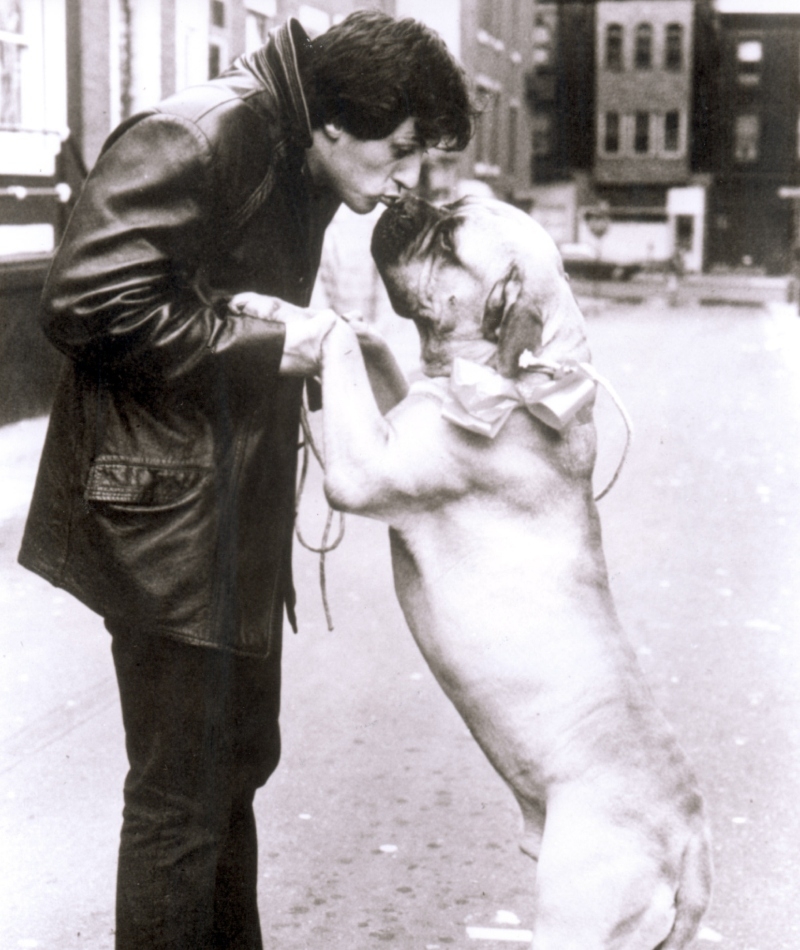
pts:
[542, 135]
[676, 149]
[18, 43]
[512, 137]
[487, 127]
[612, 121]
[740, 155]
[748, 71]
[614, 44]
[643, 47]
[29, 146]
[673, 47]
[642, 132]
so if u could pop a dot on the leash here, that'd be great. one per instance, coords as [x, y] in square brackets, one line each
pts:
[324, 547]
[480, 400]
[592, 373]
[556, 371]
[565, 370]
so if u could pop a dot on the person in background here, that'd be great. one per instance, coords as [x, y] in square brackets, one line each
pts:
[165, 494]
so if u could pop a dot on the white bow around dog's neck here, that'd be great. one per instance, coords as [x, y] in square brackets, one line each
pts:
[481, 400]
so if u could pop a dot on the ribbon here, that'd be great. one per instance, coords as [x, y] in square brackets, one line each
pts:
[481, 400]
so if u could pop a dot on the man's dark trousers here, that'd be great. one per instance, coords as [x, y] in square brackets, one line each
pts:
[201, 733]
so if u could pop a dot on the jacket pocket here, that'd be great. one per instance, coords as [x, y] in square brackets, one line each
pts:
[150, 533]
[142, 485]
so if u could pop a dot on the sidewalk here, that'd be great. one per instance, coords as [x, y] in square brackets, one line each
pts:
[693, 289]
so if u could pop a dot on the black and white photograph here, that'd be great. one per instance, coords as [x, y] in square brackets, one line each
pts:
[399, 474]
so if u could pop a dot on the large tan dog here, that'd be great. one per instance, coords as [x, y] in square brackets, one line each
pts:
[500, 572]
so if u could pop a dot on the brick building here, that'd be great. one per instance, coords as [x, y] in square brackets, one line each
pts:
[643, 119]
[755, 136]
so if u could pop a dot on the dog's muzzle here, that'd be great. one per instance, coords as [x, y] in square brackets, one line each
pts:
[398, 227]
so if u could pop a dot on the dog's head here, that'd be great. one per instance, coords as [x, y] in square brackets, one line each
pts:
[480, 279]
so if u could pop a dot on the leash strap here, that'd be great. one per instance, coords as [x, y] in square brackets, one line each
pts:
[573, 367]
[502, 405]
[324, 547]
[480, 400]
[615, 398]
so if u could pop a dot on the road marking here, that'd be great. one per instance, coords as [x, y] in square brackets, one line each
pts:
[706, 933]
[500, 935]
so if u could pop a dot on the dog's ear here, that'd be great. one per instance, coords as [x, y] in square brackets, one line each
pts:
[500, 302]
[509, 322]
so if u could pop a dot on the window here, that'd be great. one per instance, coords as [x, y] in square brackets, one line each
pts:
[214, 60]
[33, 102]
[614, 47]
[12, 48]
[513, 125]
[641, 134]
[494, 140]
[611, 139]
[643, 55]
[542, 134]
[487, 139]
[684, 232]
[749, 54]
[218, 13]
[542, 42]
[217, 42]
[673, 48]
[747, 136]
[672, 131]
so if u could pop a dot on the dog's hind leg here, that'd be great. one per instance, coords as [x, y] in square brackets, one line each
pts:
[694, 891]
[597, 888]
[533, 817]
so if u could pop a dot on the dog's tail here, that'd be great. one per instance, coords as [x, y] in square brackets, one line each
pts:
[694, 892]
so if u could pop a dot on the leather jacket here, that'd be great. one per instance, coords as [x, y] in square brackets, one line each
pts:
[165, 494]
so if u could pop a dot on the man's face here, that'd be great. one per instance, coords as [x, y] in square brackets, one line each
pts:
[363, 173]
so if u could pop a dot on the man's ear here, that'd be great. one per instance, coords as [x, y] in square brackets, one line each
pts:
[500, 302]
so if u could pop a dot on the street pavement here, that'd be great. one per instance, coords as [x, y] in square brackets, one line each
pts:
[384, 825]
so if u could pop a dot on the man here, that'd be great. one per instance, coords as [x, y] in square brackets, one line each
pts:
[165, 493]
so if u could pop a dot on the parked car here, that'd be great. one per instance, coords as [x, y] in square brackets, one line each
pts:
[583, 261]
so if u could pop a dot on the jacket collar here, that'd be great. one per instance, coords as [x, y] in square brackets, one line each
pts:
[276, 66]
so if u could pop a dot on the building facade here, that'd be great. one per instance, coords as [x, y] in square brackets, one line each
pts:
[496, 49]
[756, 137]
[560, 96]
[644, 103]
[34, 197]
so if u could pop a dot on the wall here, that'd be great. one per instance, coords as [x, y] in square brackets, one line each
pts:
[654, 91]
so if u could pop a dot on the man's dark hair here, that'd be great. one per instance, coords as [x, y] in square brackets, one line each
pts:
[371, 72]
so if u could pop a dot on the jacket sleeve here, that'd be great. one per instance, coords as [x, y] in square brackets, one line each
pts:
[124, 286]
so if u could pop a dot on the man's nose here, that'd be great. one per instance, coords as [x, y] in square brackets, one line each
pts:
[407, 172]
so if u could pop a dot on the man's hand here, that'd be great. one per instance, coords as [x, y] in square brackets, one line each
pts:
[305, 329]
[257, 305]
